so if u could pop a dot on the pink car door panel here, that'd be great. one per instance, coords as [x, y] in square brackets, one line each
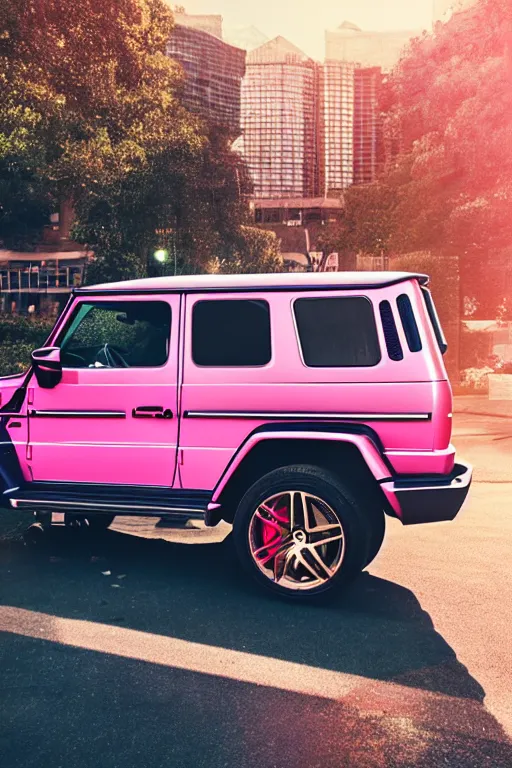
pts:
[113, 417]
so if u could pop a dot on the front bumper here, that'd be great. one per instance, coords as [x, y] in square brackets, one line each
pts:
[431, 498]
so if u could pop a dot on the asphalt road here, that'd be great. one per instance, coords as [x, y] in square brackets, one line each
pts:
[150, 648]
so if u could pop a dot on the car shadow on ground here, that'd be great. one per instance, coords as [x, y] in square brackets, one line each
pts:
[415, 704]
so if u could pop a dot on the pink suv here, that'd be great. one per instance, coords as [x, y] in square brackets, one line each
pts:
[302, 408]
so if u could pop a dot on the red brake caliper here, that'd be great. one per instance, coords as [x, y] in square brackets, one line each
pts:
[274, 531]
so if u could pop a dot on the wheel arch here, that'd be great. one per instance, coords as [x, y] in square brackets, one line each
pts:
[349, 447]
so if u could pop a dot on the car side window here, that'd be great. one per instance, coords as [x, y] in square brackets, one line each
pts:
[231, 333]
[118, 334]
[337, 332]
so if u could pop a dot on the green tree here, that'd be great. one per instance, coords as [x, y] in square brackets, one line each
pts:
[90, 111]
[31, 125]
[19, 336]
[451, 107]
[252, 250]
[367, 225]
[87, 96]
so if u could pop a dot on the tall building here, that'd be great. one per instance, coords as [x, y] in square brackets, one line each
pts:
[213, 69]
[313, 130]
[354, 64]
[351, 44]
[280, 121]
[368, 146]
[352, 125]
[338, 90]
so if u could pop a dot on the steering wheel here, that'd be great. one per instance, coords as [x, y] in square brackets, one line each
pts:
[70, 357]
[113, 357]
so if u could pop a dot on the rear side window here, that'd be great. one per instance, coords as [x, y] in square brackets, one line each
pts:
[337, 332]
[410, 326]
[393, 345]
[231, 333]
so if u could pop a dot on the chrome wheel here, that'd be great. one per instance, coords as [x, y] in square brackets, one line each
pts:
[296, 540]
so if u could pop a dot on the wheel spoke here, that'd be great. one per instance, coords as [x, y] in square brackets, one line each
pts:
[282, 545]
[325, 534]
[281, 562]
[299, 516]
[265, 547]
[302, 560]
[323, 528]
[325, 568]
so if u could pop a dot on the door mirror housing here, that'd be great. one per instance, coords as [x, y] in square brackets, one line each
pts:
[47, 366]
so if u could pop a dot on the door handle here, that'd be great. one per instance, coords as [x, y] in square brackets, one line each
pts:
[152, 412]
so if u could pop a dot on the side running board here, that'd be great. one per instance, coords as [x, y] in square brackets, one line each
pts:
[138, 501]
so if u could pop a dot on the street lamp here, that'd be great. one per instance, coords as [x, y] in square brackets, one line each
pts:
[161, 255]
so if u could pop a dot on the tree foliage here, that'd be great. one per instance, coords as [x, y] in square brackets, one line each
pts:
[19, 336]
[368, 222]
[252, 250]
[452, 105]
[448, 190]
[91, 111]
[453, 108]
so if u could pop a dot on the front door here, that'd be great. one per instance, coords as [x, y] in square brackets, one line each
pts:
[113, 417]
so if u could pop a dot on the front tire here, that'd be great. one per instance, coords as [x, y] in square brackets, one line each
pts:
[300, 533]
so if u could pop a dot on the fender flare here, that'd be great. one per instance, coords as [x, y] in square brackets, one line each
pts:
[361, 438]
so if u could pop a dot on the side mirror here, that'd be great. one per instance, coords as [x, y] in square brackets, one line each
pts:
[47, 366]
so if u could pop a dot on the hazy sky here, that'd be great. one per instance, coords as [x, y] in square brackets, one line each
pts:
[303, 23]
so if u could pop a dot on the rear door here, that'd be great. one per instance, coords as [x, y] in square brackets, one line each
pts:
[113, 417]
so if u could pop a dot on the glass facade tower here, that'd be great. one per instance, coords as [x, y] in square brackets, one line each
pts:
[338, 124]
[280, 121]
[312, 130]
[213, 73]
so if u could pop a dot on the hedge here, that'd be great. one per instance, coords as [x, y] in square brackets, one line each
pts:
[19, 336]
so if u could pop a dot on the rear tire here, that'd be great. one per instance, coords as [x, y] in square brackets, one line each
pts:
[377, 533]
[299, 532]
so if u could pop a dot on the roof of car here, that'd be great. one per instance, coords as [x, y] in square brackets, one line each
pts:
[259, 282]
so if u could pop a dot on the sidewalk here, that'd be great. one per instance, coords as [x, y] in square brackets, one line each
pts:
[480, 405]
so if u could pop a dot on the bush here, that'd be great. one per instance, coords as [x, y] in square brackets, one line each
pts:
[19, 336]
